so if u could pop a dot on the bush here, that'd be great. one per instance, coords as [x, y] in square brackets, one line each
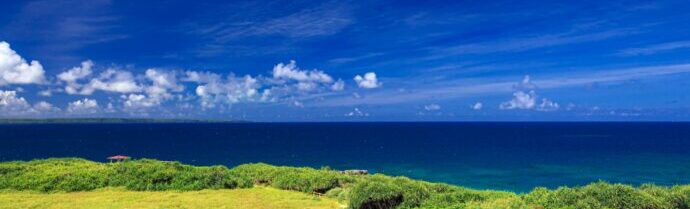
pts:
[375, 195]
[605, 195]
[68, 175]
[298, 179]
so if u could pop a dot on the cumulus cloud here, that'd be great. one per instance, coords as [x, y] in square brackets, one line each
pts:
[161, 88]
[526, 98]
[112, 80]
[83, 106]
[139, 101]
[214, 90]
[548, 105]
[521, 100]
[477, 106]
[304, 80]
[290, 71]
[44, 106]
[11, 103]
[368, 81]
[338, 85]
[357, 113]
[432, 107]
[15, 70]
[75, 74]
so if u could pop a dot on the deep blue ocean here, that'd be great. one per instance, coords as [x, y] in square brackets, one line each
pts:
[506, 156]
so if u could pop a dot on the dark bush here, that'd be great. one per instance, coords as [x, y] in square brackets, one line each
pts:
[375, 195]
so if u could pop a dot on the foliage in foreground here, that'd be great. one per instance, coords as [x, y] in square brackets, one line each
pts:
[113, 198]
[362, 192]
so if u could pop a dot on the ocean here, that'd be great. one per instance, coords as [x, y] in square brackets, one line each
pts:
[483, 155]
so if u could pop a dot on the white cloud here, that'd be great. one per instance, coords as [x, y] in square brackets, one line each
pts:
[45, 93]
[84, 106]
[548, 105]
[10, 103]
[76, 73]
[290, 71]
[15, 70]
[521, 100]
[338, 85]
[369, 81]
[72, 76]
[432, 107]
[44, 106]
[113, 80]
[139, 101]
[229, 91]
[306, 80]
[657, 48]
[357, 113]
[477, 106]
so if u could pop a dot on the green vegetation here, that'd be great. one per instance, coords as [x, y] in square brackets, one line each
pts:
[357, 191]
[110, 198]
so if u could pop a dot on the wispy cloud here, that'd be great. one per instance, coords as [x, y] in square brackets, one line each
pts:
[656, 48]
[529, 43]
[452, 89]
[325, 19]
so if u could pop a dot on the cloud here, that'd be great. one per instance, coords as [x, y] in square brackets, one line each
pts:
[307, 80]
[534, 42]
[13, 105]
[44, 106]
[137, 101]
[325, 19]
[75, 74]
[357, 113]
[15, 70]
[432, 107]
[110, 80]
[338, 85]
[521, 100]
[10, 103]
[548, 105]
[83, 106]
[227, 91]
[456, 88]
[656, 48]
[113, 80]
[369, 81]
[477, 106]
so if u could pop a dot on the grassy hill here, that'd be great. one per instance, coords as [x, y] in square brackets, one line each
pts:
[64, 181]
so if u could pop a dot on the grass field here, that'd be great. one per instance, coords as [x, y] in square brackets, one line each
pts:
[112, 198]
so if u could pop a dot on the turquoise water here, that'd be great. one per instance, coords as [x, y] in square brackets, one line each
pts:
[506, 156]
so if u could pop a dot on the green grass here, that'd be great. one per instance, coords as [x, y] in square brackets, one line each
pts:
[49, 180]
[253, 198]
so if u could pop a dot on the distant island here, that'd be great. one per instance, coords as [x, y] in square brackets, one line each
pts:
[110, 120]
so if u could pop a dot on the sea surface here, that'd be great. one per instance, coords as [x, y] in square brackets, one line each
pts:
[504, 156]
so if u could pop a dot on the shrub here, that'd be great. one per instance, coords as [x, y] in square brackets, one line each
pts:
[298, 179]
[375, 195]
[68, 174]
[605, 195]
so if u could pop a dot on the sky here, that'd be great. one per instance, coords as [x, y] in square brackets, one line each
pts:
[373, 60]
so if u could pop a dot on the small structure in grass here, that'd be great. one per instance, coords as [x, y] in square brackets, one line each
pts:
[118, 158]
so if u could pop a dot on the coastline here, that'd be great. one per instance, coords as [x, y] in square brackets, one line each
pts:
[66, 175]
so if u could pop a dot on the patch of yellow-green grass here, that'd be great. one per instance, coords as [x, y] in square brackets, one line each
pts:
[112, 198]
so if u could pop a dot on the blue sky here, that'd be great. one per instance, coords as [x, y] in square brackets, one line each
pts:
[346, 60]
